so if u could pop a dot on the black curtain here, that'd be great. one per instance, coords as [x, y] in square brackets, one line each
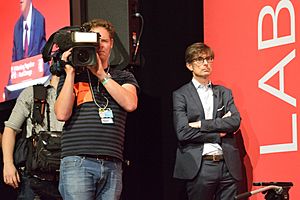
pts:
[170, 26]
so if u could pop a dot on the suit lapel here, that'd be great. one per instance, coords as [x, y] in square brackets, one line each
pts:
[19, 43]
[33, 24]
[216, 100]
[194, 94]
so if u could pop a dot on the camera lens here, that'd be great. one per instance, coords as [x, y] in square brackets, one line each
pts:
[83, 56]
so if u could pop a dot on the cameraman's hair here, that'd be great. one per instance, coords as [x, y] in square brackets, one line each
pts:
[197, 49]
[100, 23]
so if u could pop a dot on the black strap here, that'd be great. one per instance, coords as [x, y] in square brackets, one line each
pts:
[39, 105]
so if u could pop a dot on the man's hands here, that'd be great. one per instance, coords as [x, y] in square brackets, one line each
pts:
[198, 123]
[98, 70]
[10, 175]
[68, 68]
[195, 124]
[228, 114]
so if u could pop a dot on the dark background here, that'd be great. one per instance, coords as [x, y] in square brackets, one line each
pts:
[170, 26]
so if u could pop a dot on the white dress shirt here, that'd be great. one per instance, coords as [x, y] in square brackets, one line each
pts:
[28, 22]
[206, 96]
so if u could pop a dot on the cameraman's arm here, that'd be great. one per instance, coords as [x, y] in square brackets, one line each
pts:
[125, 95]
[65, 100]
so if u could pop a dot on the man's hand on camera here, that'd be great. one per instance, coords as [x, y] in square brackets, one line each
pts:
[68, 68]
[98, 70]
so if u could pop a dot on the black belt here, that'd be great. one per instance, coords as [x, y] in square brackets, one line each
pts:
[215, 158]
[101, 157]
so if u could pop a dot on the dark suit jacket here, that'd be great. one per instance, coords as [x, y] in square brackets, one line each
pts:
[37, 36]
[187, 107]
[36, 45]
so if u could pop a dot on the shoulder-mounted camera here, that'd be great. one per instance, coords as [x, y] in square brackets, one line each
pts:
[84, 46]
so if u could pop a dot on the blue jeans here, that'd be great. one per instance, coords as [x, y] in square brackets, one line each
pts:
[83, 178]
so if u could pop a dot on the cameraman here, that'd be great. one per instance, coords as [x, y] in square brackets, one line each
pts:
[94, 104]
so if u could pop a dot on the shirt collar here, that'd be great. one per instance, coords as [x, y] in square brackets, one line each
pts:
[199, 85]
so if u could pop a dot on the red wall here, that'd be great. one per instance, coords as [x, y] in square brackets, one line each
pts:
[56, 13]
[256, 46]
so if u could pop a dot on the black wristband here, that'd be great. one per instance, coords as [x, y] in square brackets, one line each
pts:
[64, 63]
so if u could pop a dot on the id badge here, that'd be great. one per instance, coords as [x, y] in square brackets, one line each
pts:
[107, 121]
[106, 116]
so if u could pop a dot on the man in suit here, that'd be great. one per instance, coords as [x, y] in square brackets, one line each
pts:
[29, 39]
[35, 23]
[205, 121]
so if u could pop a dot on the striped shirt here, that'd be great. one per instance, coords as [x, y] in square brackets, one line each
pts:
[84, 133]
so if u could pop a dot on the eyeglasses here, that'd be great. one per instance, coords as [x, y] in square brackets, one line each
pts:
[200, 60]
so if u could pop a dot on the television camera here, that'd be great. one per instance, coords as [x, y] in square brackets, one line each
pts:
[84, 46]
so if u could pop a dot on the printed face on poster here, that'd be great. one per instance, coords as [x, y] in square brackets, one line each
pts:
[26, 26]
